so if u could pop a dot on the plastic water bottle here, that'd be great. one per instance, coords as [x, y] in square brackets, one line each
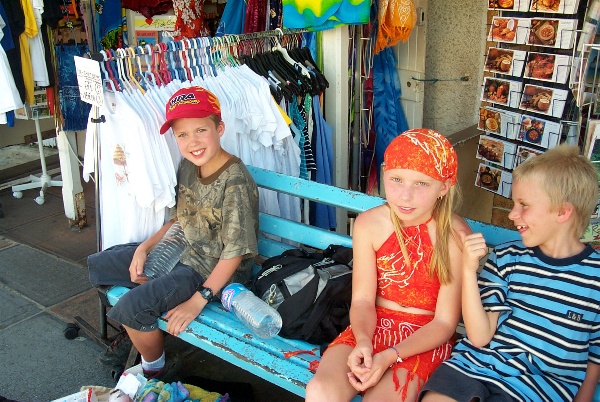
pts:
[167, 252]
[263, 320]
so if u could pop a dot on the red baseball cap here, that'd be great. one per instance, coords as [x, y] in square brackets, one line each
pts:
[192, 102]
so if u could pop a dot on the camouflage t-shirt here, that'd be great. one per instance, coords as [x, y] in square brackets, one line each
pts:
[219, 216]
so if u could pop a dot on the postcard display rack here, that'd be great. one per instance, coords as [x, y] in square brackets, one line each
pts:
[526, 97]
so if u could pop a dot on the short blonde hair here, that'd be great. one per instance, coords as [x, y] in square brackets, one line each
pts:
[565, 176]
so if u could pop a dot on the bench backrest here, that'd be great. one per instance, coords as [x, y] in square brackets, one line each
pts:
[341, 198]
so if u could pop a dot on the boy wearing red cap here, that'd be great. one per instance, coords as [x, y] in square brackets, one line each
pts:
[406, 279]
[217, 207]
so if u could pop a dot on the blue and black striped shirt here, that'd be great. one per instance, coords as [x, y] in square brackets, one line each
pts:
[549, 323]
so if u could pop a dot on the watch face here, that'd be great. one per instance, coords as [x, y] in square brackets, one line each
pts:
[206, 293]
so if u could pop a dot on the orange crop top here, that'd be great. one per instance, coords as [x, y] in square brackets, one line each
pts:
[408, 286]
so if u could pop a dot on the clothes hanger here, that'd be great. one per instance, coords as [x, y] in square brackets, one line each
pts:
[286, 56]
[120, 56]
[111, 67]
[130, 57]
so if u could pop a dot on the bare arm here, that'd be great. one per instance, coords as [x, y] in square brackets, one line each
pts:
[590, 383]
[480, 324]
[447, 310]
[364, 288]
[136, 268]
[180, 316]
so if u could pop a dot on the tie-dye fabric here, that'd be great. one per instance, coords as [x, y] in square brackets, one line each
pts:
[324, 14]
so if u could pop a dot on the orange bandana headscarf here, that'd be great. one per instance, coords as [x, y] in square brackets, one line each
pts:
[423, 150]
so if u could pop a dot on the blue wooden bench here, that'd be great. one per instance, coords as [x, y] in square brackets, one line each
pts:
[220, 333]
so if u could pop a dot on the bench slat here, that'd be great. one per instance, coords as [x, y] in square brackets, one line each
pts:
[301, 233]
[348, 199]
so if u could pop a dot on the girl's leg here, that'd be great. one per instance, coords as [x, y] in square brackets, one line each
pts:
[385, 388]
[330, 383]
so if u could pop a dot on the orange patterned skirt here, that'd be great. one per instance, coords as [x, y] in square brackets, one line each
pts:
[392, 328]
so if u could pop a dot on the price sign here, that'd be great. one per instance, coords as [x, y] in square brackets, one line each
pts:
[89, 80]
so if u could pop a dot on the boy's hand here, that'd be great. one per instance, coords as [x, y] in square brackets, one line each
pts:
[136, 268]
[474, 248]
[181, 316]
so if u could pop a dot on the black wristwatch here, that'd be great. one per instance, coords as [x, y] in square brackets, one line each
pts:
[206, 293]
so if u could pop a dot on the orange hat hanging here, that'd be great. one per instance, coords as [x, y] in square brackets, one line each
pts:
[423, 150]
[396, 20]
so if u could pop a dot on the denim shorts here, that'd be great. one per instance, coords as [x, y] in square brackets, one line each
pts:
[447, 381]
[143, 304]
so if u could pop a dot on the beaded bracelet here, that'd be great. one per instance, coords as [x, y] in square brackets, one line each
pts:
[398, 358]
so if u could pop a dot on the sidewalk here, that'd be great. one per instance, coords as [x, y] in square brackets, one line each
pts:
[43, 285]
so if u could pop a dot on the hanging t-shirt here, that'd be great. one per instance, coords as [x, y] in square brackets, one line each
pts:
[11, 99]
[37, 51]
[30, 32]
[320, 15]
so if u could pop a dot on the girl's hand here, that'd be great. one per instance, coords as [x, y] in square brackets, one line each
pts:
[361, 358]
[474, 248]
[380, 363]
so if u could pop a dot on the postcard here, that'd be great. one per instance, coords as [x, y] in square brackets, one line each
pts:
[496, 151]
[490, 120]
[554, 6]
[509, 30]
[557, 33]
[146, 38]
[540, 132]
[524, 153]
[504, 92]
[508, 5]
[547, 67]
[548, 101]
[495, 180]
[505, 61]
[592, 132]
[592, 232]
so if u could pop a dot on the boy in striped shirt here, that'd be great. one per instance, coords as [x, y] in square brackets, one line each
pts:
[533, 315]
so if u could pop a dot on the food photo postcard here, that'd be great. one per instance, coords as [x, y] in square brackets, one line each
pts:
[548, 101]
[493, 179]
[496, 151]
[504, 92]
[505, 61]
[547, 67]
[540, 132]
[524, 153]
[509, 30]
[499, 122]
[554, 6]
[556, 33]
[509, 5]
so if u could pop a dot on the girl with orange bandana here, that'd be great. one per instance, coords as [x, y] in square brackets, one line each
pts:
[406, 281]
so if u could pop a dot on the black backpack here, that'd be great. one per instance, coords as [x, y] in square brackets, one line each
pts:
[311, 291]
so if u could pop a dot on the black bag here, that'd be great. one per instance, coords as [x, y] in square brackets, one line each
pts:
[311, 291]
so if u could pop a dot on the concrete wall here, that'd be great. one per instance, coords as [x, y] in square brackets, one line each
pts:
[456, 31]
[456, 39]
[15, 135]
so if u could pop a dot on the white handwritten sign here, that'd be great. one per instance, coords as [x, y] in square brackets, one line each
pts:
[89, 81]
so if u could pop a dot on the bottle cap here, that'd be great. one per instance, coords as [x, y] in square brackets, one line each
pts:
[229, 291]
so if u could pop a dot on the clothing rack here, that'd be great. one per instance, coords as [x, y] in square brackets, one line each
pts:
[283, 36]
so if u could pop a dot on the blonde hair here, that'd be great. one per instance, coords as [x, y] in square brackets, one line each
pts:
[442, 214]
[566, 177]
